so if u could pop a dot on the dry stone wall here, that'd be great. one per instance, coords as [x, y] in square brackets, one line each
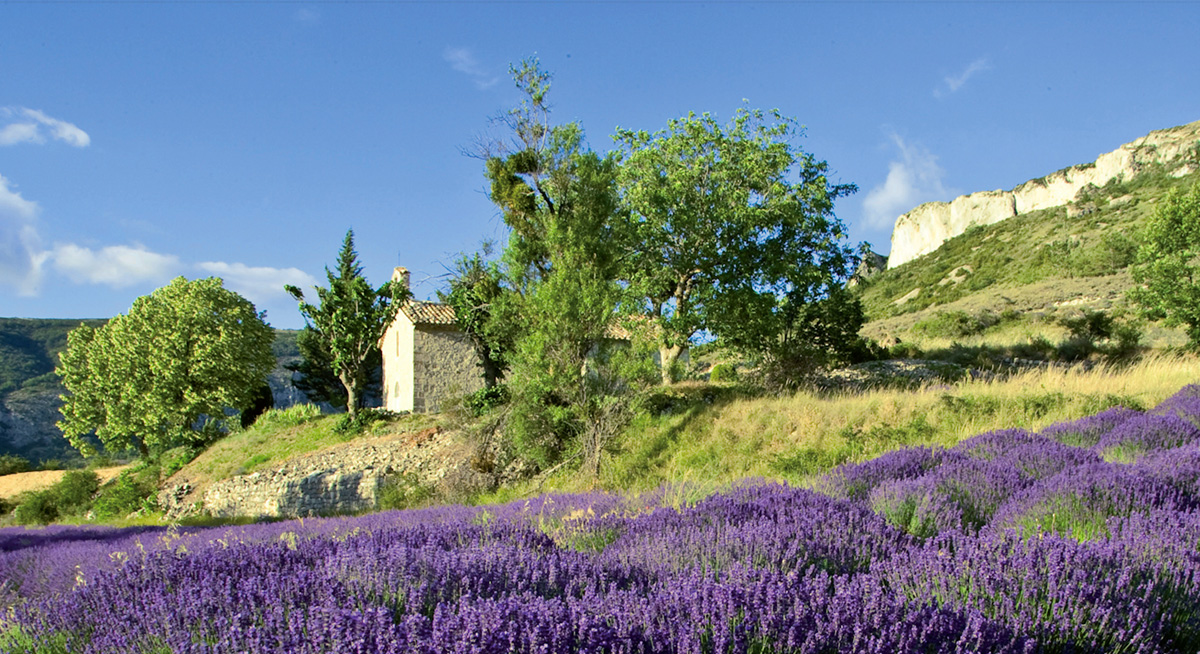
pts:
[926, 227]
[346, 479]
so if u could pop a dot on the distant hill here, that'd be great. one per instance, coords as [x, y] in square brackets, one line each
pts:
[1071, 255]
[29, 389]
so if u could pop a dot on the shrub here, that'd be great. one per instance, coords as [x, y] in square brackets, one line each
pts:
[292, 416]
[10, 464]
[403, 491]
[366, 417]
[484, 400]
[126, 494]
[36, 508]
[723, 372]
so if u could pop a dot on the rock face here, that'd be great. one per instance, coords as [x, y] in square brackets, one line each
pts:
[926, 227]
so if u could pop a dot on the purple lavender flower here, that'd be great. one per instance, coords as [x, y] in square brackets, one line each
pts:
[1086, 432]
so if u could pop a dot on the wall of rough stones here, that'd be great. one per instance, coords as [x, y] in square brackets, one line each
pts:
[346, 479]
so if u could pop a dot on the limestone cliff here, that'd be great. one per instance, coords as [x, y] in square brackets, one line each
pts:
[926, 227]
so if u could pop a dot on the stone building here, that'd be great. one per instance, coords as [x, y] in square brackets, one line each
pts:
[426, 359]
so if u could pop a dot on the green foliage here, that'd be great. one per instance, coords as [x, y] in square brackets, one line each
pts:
[724, 220]
[403, 492]
[10, 464]
[297, 414]
[475, 288]
[131, 491]
[485, 400]
[71, 495]
[560, 268]
[1167, 263]
[723, 372]
[355, 423]
[317, 379]
[186, 352]
[350, 320]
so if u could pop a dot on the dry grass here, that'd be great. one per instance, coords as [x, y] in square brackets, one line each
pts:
[21, 482]
[796, 437]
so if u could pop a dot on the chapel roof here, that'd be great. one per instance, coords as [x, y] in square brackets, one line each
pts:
[428, 313]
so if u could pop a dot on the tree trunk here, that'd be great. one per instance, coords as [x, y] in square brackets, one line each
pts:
[352, 393]
[667, 356]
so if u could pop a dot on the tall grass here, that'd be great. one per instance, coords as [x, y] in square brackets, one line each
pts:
[717, 441]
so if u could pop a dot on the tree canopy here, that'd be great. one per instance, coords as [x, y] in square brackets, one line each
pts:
[725, 221]
[181, 357]
[1168, 263]
[350, 318]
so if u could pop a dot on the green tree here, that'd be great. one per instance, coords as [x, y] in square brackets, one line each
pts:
[726, 221]
[560, 270]
[476, 286]
[1168, 263]
[351, 318]
[179, 359]
[317, 379]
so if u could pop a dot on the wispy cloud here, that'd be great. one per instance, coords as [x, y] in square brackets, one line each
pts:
[20, 247]
[308, 16]
[258, 284]
[463, 60]
[34, 126]
[912, 179]
[952, 83]
[117, 266]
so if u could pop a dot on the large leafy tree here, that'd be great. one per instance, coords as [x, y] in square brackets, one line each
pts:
[727, 221]
[181, 357]
[560, 269]
[350, 318]
[1168, 263]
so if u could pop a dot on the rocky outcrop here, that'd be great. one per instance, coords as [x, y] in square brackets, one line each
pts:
[926, 227]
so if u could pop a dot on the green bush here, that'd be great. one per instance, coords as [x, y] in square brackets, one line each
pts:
[952, 324]
[723, 372]
[366, 417]
[126, 494]
[292, 416]
[403, 492]
[36, 508]
[72, 495]
[11, 464]
[484, 400]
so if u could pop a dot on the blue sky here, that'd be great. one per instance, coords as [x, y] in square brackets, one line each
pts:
[140, 141]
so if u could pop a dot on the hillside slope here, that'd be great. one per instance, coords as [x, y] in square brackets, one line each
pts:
[1076, 254]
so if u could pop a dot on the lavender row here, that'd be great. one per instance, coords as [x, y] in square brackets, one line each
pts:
[1083, 537]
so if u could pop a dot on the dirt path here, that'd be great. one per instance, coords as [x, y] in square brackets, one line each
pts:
[12, 485]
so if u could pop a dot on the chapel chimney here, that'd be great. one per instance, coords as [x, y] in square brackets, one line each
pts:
[401, 274]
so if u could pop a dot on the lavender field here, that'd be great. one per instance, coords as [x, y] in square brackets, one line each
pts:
[1084, 537]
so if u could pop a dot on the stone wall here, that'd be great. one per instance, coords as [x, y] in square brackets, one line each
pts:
[444, 365]
[926, 227]
[346, 479]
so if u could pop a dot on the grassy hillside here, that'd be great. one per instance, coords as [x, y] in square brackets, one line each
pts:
[1028, 262]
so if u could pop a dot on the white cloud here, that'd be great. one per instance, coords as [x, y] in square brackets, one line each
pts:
[309, 16]
[463, 60]
[20, 247]
[952, 83]
[259, 284]
[30, 125]
[913, 179]
[117, 266]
